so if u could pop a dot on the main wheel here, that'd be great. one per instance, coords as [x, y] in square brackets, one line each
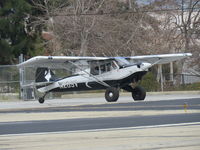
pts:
[138, 93]
[112, 94]
[41, 100]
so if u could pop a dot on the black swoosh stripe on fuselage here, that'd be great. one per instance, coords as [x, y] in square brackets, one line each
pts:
[97, 86]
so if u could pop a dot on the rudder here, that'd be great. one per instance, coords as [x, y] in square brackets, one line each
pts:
[44, 75]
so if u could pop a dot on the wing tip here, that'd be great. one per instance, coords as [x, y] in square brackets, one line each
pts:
[188, 54]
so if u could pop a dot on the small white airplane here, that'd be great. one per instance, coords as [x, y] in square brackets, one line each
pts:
[94, 73]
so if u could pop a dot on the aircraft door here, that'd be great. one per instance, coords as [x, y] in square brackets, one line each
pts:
[94, 69]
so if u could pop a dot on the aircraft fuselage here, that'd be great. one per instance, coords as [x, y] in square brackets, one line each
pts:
[115, 78]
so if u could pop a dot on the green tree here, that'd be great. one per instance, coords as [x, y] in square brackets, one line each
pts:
[16, 36]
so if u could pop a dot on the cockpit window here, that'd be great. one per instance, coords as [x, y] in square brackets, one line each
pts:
[94, 69]
[102, 67]
[122, 61]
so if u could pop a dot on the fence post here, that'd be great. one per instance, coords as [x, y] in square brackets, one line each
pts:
[171, 72]
[161, 76]
[21, 76]
[183, 79]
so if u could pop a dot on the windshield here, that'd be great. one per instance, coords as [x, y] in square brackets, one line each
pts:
[122, 61]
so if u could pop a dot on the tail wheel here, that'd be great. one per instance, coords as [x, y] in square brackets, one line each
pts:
[112, 94]
[42, 99]
[138, 93]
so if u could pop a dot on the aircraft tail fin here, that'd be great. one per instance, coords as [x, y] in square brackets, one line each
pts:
[44, 75]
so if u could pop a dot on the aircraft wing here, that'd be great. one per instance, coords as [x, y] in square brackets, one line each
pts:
[55, 61]
[58, 61]
[159, 59]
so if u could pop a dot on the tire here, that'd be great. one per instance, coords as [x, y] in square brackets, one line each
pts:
[138, 93]
[112, 94]
[41, 100]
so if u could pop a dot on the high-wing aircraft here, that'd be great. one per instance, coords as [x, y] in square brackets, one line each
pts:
[94, 73]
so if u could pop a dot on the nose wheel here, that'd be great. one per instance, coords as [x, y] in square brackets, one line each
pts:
[112, 94]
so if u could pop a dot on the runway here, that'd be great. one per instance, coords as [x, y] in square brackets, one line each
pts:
[94, 123]
[104, 122]
[172, 104]
[161, 122]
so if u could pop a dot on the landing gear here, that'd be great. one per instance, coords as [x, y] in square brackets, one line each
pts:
[138, 93]
[112, 94]
[41, 99]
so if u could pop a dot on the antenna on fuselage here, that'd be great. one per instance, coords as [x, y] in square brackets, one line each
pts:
[104, 54]
[94, 55]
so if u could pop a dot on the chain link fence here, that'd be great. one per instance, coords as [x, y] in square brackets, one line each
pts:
[9, 79]
[181, 82]
[9, 82]
[12, 81]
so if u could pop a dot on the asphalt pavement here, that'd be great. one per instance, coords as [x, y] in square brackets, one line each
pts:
[93, 99]
[162, 121]
[94, 123]
[176, 104]
[37, 126]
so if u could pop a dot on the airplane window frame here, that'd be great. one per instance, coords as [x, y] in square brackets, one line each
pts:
[101, 67]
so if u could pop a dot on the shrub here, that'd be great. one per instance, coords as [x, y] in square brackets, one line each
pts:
[149, 82]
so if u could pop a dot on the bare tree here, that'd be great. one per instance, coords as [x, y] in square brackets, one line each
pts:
[74, 25]
[187, 21]
[98, 27]
[105, 27]
[45, 20]
[183, 28]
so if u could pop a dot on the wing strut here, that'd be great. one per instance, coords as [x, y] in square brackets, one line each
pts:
[159, 59]
[97, 80]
